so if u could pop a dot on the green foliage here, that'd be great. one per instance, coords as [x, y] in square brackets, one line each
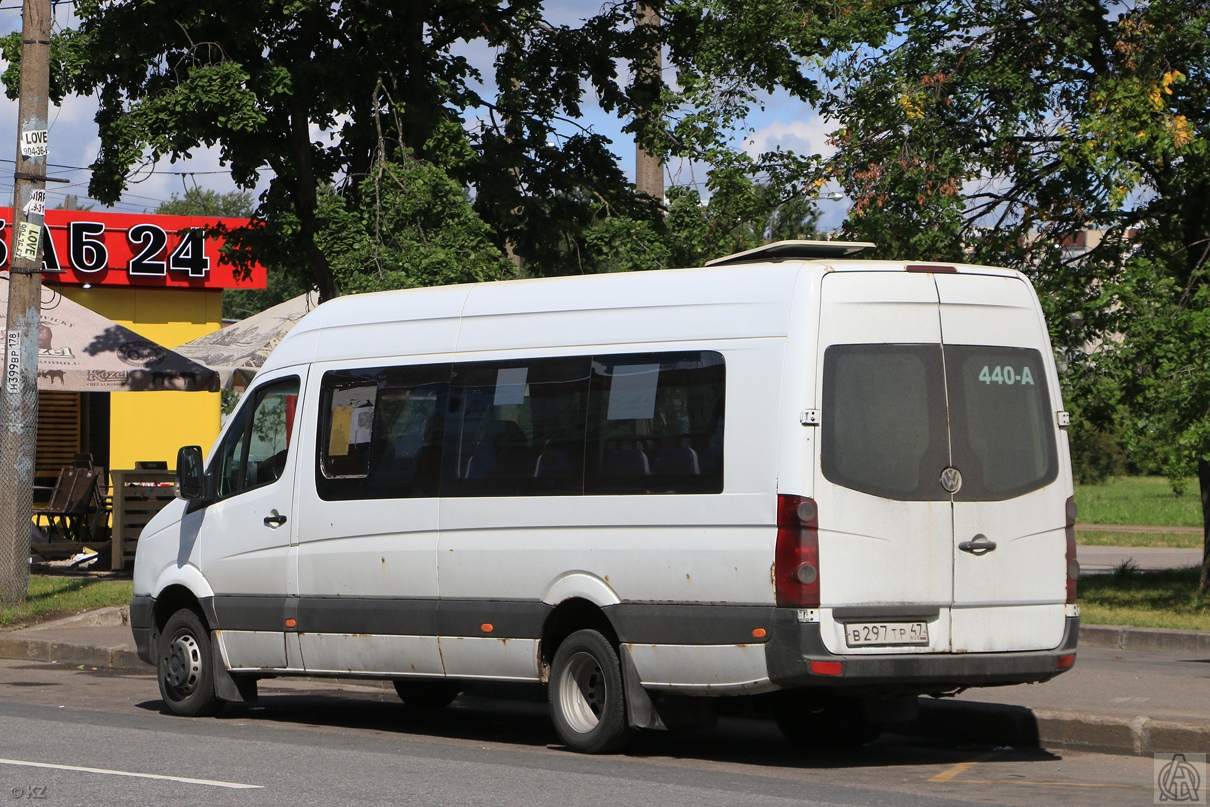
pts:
[618, 244]
[1096, 456]
[412, 226]
[205, 202]
[258, 81]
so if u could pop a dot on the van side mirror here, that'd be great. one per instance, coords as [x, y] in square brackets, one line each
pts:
[190, 474]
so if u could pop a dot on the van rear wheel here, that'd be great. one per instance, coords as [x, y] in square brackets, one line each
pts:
[586, 695]
[185, 666]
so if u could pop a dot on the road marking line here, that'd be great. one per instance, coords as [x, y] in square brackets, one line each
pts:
[960, 768]
[186, 780]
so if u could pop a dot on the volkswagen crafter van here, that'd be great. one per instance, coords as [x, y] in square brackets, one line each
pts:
[792, 480]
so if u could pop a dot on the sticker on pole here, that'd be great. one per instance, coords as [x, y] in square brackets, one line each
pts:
[36, 206]
[29, 236]
[34, 143]
[12, 366]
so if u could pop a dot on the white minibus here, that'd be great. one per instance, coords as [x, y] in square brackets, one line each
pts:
[792, 481]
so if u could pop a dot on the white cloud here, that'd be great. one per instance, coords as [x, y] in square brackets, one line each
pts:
[806, 136]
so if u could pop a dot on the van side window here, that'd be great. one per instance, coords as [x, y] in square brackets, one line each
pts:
[254, 450]
[656, 423]
[516, 428]
[380, 432]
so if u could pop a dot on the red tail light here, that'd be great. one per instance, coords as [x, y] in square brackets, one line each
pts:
[796, 562]
[1073, 565]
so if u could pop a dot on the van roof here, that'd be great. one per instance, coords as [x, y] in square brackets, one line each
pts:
[743, 298]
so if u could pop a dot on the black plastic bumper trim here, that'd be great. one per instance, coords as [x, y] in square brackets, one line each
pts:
[793, 645]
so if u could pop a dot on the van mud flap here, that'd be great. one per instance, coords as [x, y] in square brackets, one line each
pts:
[640, 711]
[227, 687]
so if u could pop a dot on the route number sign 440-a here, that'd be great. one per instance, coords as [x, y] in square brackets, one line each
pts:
[1007, 375]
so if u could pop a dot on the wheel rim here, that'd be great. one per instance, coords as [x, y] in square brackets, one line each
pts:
[183, 665]
[583, 693]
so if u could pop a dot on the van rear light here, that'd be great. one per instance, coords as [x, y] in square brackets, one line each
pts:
[827, 667]
[1065, 662]
[796, 560]
[1073, 565]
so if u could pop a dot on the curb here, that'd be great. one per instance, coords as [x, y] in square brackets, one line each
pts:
[1145, 639]
[993, 723]
[34, 644]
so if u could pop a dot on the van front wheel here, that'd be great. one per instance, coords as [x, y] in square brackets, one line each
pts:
[585, 694]
[184, 666]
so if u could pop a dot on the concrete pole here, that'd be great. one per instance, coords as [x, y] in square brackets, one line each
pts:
[19, 392]
[648, 168]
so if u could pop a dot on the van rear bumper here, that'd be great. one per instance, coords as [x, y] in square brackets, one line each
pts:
[794, 645]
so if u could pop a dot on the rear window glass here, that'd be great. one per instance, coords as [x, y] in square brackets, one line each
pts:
[885, 429]
[1001, 422]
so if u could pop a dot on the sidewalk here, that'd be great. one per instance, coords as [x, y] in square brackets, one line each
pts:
[1133, 691]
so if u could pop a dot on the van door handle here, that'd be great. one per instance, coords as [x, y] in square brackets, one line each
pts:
[979, 545]
[275, 520]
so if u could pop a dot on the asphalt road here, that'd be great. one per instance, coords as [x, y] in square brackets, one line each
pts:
[320, 743]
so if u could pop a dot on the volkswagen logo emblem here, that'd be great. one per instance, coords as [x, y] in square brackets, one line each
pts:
[951, 479]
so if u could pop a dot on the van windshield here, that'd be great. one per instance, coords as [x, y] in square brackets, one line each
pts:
[886, 432]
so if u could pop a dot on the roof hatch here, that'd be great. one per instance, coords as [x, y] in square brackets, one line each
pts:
[794, 250]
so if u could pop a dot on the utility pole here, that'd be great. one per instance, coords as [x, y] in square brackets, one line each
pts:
[648, 168]
[19, 392]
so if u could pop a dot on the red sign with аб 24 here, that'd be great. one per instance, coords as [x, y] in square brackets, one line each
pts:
[82, 247]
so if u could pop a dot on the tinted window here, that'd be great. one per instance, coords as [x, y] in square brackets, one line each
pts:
[254, 449]
[517, 428]
[656, 424]
[884, 428]
[1001, 420]
[381, 431]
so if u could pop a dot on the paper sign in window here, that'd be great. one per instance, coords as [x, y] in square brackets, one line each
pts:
[362, 429]
[632, 392]
[510, 385]
[342, 426]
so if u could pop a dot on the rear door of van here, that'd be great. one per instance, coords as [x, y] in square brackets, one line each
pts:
[941, 528]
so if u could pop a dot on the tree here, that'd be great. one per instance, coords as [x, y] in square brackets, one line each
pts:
[412, 226]
[207, 202]
[314, 92]
[998, 131]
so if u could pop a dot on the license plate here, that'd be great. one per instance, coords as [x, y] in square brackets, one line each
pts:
[875, 634]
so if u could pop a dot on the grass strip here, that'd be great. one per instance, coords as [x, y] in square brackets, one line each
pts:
[51, 596]
[1145, 599]
[1147, 500]
[1163, 539]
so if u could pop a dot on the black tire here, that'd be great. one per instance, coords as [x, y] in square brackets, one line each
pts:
[427, 695]
[586, 695]
[814, 720]
[184, 666]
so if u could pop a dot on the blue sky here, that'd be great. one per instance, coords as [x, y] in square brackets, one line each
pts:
[73, 135]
